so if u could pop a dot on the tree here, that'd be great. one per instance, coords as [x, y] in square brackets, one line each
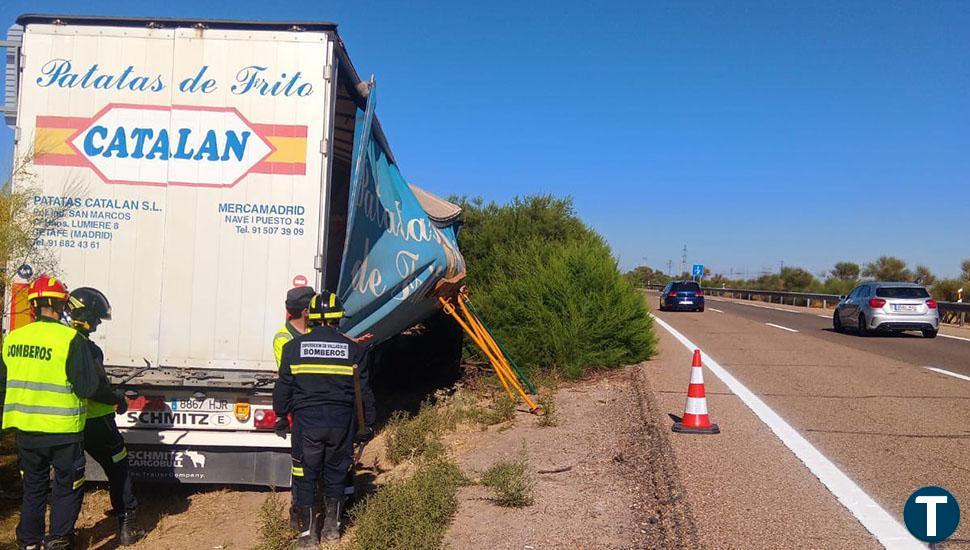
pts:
[642, 275]
[924, 276]
[550, 288]
[769, 281]
[847, 271]
[965, 267]
[947, 289]
[888, 268]
[796, 279]
[22, 224]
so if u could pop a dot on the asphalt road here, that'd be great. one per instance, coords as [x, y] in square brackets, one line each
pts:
[944, 352]
[869, 405]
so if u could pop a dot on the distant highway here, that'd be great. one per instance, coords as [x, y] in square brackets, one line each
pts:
[891, 411]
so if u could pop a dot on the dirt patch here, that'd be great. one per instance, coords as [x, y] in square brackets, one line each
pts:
[176, 517]
[603, 476]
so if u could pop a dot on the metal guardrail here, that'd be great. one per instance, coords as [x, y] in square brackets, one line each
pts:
[956, 312]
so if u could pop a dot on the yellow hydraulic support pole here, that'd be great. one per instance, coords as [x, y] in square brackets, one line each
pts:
[496, 352]
[473, 328]
[450, 310]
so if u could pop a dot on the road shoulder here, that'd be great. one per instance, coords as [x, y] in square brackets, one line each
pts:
[604, 476]
[745, 488]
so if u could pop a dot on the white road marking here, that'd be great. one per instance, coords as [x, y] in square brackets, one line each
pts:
[781, 327]
[715, 309]
[948, 373]
[824, 316]
[941, 335]
[873, 517]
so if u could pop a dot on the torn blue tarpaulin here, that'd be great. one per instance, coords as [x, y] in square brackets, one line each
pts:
[401, 251]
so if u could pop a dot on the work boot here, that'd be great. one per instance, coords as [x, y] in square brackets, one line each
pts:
[331, 519]
[59, 543]
[128, 530]
[22, 546]
[307, 526]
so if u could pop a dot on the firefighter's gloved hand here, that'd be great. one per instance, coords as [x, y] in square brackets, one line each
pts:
[364, 436]
[281, 427]
[121, 404]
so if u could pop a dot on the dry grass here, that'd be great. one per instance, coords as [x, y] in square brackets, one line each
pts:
[274, 529]
[550, 415]
[511, 482]
[408, 438]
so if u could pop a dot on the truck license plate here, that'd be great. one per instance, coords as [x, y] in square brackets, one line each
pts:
[179, 412]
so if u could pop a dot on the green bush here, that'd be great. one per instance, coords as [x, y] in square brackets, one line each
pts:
[840, 287]
[550, 413]
[410, 514]
[550, 289]
[945, 290]
[511, 483]
[409, 437]
[274, 530]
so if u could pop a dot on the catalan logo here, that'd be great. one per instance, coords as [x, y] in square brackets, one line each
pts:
[177, 145]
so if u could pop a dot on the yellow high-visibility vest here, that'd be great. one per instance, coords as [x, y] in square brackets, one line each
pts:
[39, 396]
[283, 335]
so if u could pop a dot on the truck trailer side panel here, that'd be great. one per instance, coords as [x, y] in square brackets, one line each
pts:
[186, 167]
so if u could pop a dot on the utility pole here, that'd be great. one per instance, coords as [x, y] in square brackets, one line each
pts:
[670, 267]
[683, 260]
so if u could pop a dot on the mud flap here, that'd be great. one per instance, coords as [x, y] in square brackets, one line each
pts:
[168, 464]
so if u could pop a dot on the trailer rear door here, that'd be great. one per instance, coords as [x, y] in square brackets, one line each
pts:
[185, 170]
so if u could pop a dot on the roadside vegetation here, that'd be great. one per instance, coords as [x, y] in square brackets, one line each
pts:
[274, 531]
[21, 222]
[511, 482]
[408, 438]
[550, 414]
[550, 289]
[841, 279]
[413, 513]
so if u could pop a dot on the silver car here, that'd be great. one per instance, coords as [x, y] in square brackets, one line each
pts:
[887, 307]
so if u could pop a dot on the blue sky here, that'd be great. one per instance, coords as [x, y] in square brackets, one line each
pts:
[752, 132]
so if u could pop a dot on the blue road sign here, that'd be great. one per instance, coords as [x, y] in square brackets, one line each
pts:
[698, 270]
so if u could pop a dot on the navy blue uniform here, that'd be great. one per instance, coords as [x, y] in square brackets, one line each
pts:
[316, 385]
[104, 442]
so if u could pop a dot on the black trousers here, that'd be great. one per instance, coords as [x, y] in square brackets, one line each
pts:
[104, 443]
[36, 463]
[321, 451]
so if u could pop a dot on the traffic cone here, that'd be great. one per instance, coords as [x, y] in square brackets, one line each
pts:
[696, 420]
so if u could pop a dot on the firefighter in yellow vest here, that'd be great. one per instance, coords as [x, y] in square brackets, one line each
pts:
[47, 374]
[102, 440]
[297, 302]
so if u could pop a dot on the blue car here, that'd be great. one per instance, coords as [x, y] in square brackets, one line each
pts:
[683, 296]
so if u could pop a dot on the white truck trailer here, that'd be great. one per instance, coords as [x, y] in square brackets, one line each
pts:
[194, 171]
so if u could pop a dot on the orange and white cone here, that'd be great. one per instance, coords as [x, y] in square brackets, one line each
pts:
[696, 419]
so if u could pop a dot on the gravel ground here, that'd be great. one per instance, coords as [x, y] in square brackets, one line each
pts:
[604, 476]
